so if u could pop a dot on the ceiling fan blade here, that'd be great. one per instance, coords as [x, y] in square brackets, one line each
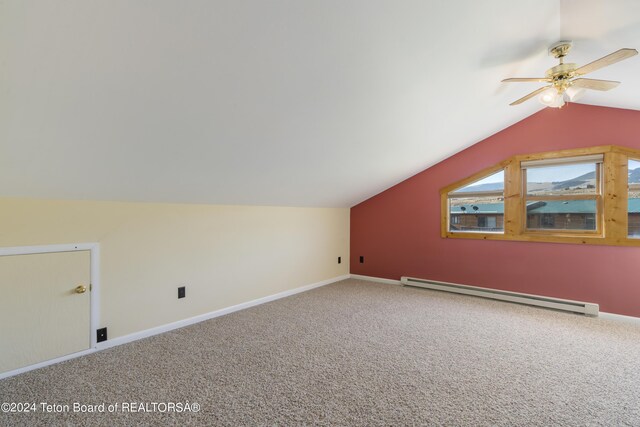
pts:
[531, 95]
[605, 61]
[527, 79]
[595, 84]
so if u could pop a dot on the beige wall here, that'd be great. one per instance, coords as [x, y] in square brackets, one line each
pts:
[224, 255]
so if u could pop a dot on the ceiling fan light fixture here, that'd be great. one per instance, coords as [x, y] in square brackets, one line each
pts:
[551, 98]
[574, 93]
[548, 96]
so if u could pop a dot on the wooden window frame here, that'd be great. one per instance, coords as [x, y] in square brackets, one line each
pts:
[611, 224]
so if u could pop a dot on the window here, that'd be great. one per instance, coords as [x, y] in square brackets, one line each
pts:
[633, 203]
[479, 206]
[584, 196]
[563, 193]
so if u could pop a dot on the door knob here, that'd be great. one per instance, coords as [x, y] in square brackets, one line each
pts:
[80, 289]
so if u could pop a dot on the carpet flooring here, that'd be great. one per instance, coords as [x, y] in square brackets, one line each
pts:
[356, 353]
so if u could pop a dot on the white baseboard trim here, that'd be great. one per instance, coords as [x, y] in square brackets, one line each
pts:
[45, 363]
[375, 279]
[620, 318]
[213, 314]
[171, 326]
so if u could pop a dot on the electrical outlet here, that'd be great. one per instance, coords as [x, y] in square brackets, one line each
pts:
[101, 334]
[339, 260]
[182, 292]
[361, 259]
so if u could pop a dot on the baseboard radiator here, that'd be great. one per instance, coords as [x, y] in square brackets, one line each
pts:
[586, 308]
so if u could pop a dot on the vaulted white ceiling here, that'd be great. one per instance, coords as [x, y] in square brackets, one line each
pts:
[277, 102]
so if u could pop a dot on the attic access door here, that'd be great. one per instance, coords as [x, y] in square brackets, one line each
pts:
[45, 307]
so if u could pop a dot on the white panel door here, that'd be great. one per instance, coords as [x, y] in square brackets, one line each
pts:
[44, 312]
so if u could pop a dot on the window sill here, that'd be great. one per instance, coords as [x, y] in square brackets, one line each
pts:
[582, 239]
[565, 233]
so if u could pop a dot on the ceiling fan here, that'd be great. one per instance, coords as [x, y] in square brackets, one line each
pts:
[565, 81]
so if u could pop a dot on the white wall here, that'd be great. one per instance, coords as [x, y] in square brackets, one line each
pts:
[224, 255]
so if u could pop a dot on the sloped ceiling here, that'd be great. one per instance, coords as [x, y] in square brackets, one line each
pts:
[278, 102]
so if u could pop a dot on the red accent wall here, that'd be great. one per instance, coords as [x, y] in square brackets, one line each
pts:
[398, 230]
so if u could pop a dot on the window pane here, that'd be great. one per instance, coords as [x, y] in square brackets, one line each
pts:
[476, 214]
[562, 180]
[492, 183]
[634, 198]
[562, 215]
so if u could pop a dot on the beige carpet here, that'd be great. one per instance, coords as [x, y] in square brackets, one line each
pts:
[358, 353]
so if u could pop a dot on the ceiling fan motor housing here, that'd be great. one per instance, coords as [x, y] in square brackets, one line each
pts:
[561, 75]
